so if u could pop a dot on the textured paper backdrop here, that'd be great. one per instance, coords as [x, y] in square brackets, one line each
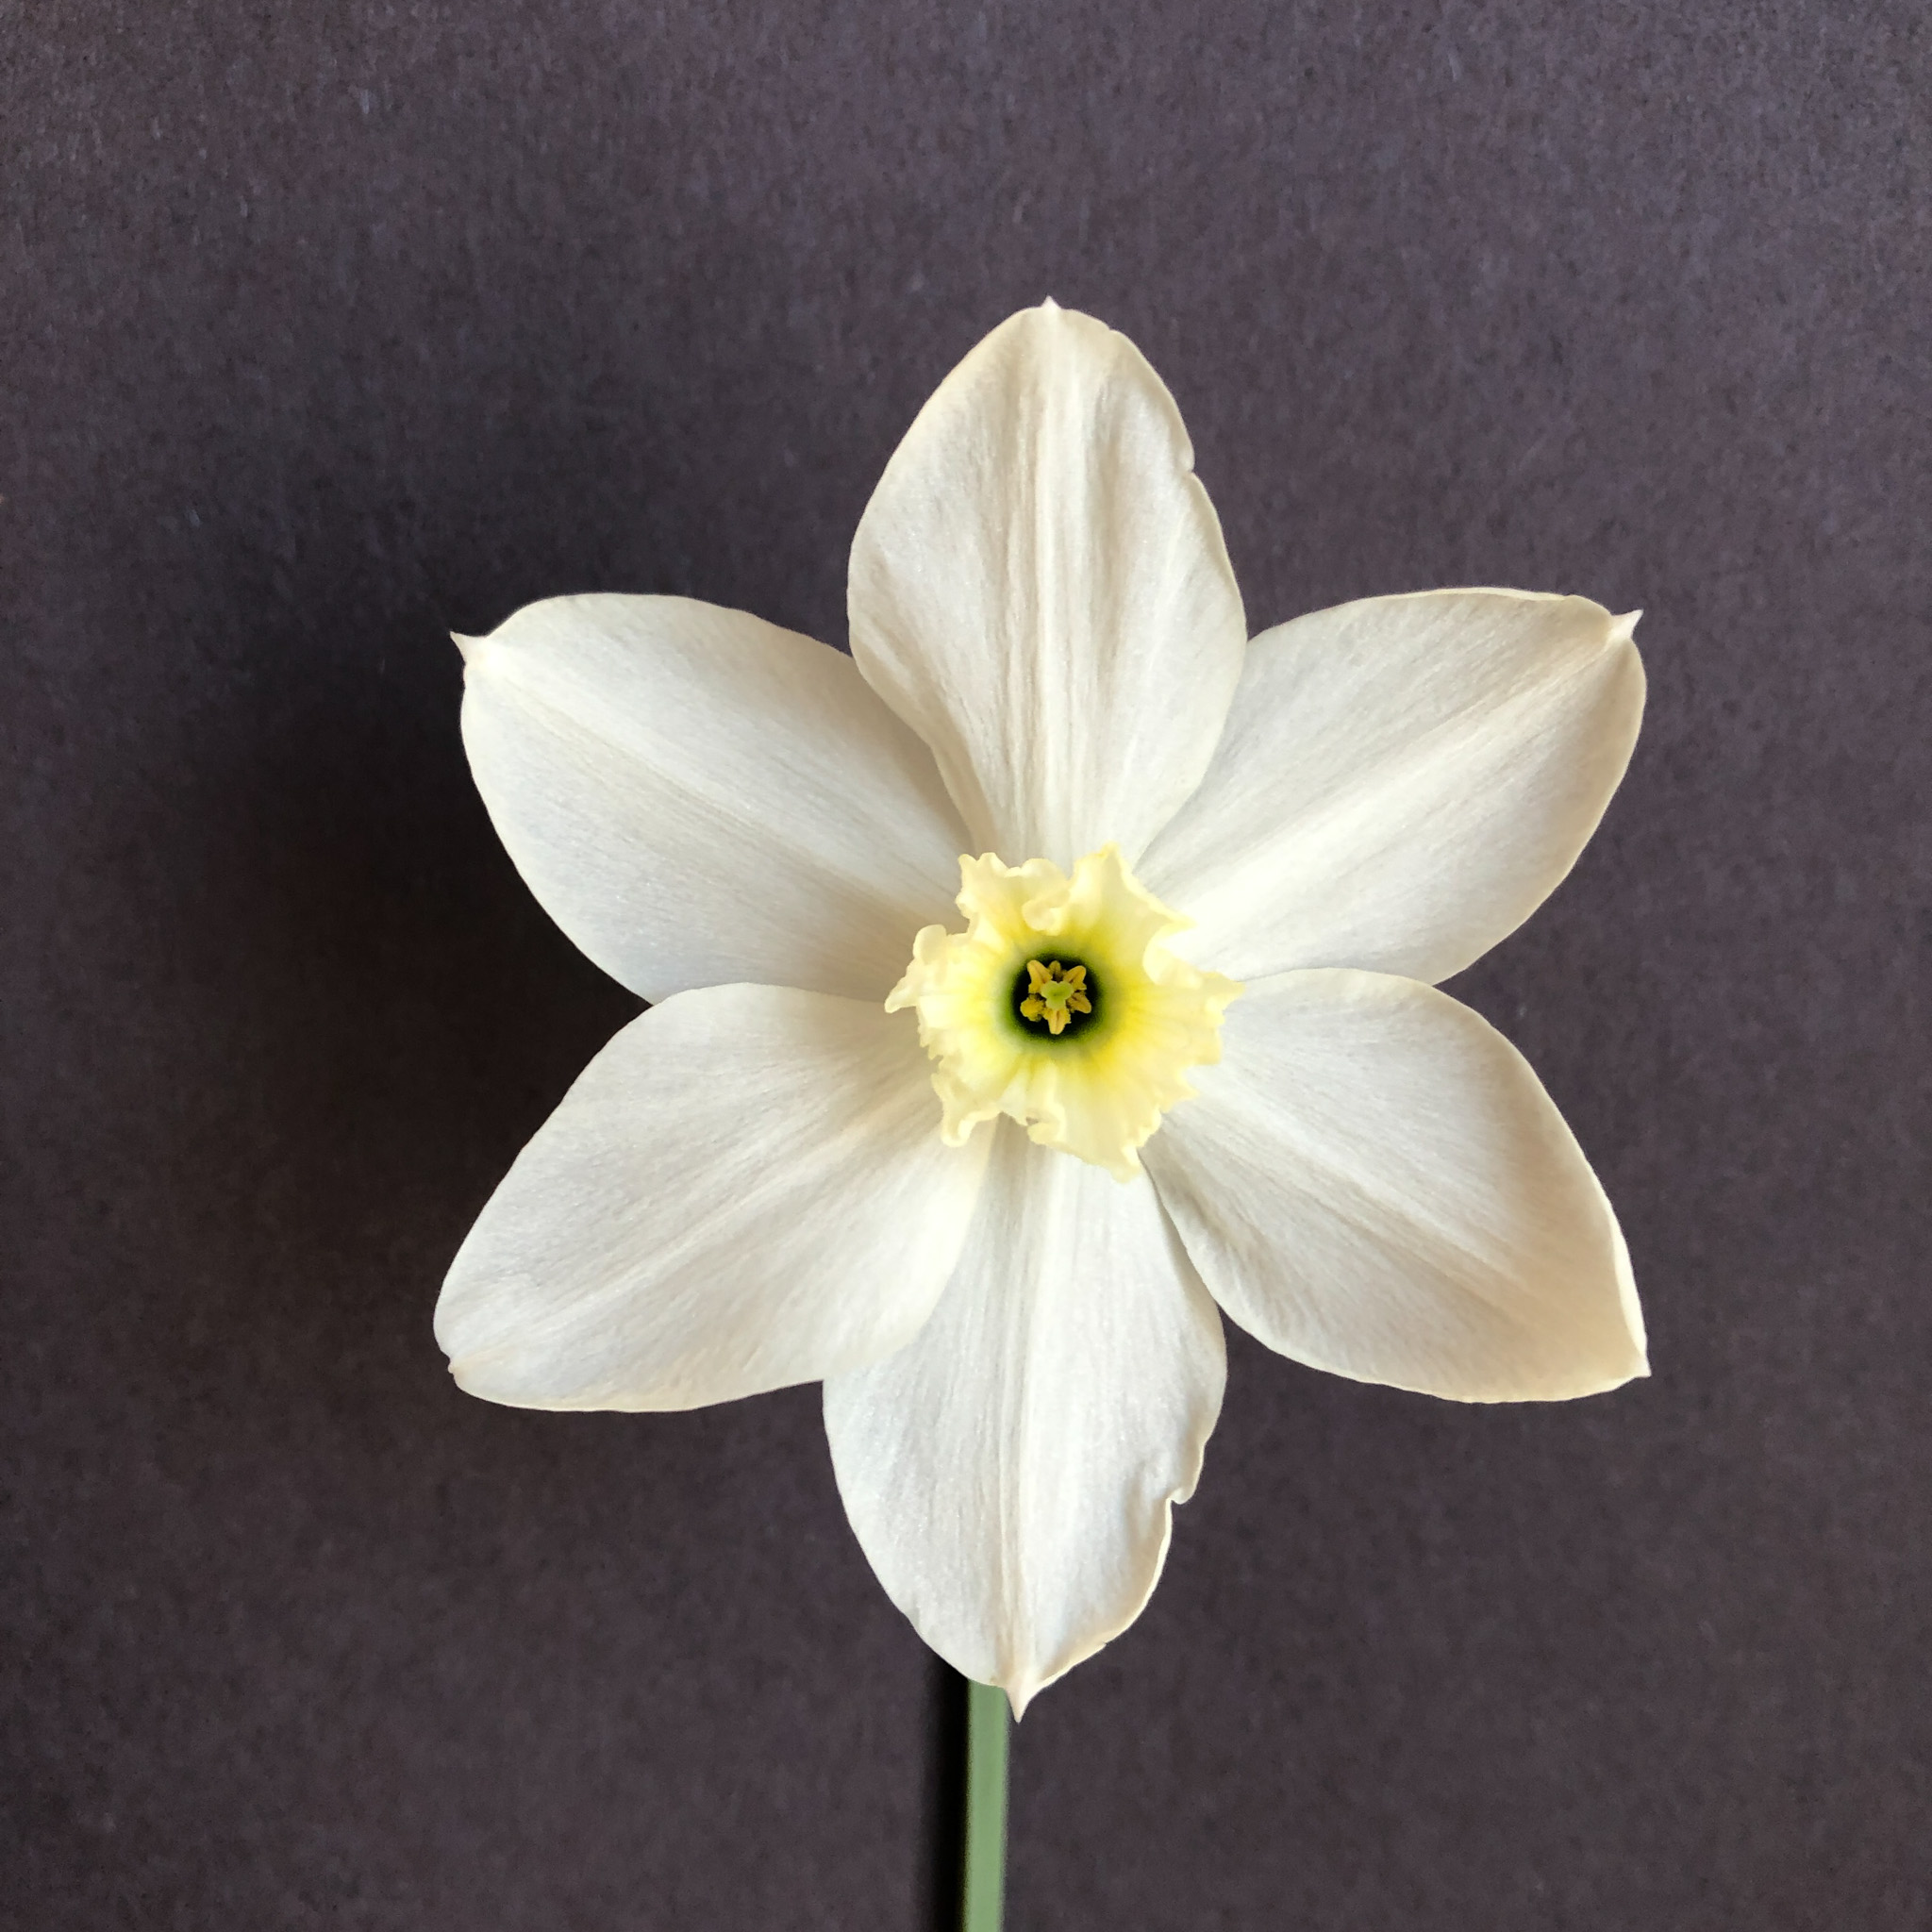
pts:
[330, 327]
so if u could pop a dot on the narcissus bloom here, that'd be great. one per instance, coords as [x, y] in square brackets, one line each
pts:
[1050, 976]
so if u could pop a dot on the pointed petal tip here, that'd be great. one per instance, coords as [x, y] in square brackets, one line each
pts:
[1606, 1380]
[468, 646]
[1020, 1690]
[471, 1376]
[1624, 628]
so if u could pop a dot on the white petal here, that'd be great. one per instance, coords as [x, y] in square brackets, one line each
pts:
[1403, 782]
[1373, 1182]
[697, 796]
[745, 1189]
[1011, 1473]
[1039, 589]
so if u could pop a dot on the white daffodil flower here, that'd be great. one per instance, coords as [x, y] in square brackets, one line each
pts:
[993, 1174]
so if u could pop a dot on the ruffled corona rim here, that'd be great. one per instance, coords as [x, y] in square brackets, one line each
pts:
[1096, 1085]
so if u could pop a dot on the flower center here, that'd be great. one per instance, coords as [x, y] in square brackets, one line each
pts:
[1084, 1040]
[1059, 998]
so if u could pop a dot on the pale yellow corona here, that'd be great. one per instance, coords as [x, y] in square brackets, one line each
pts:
[1063, 1005]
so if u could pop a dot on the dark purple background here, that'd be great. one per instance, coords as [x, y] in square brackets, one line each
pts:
[328, 328]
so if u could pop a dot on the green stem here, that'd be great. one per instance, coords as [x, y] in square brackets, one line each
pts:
[986, 1809]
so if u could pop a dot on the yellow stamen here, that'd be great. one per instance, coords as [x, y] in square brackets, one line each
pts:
[1056, 995]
